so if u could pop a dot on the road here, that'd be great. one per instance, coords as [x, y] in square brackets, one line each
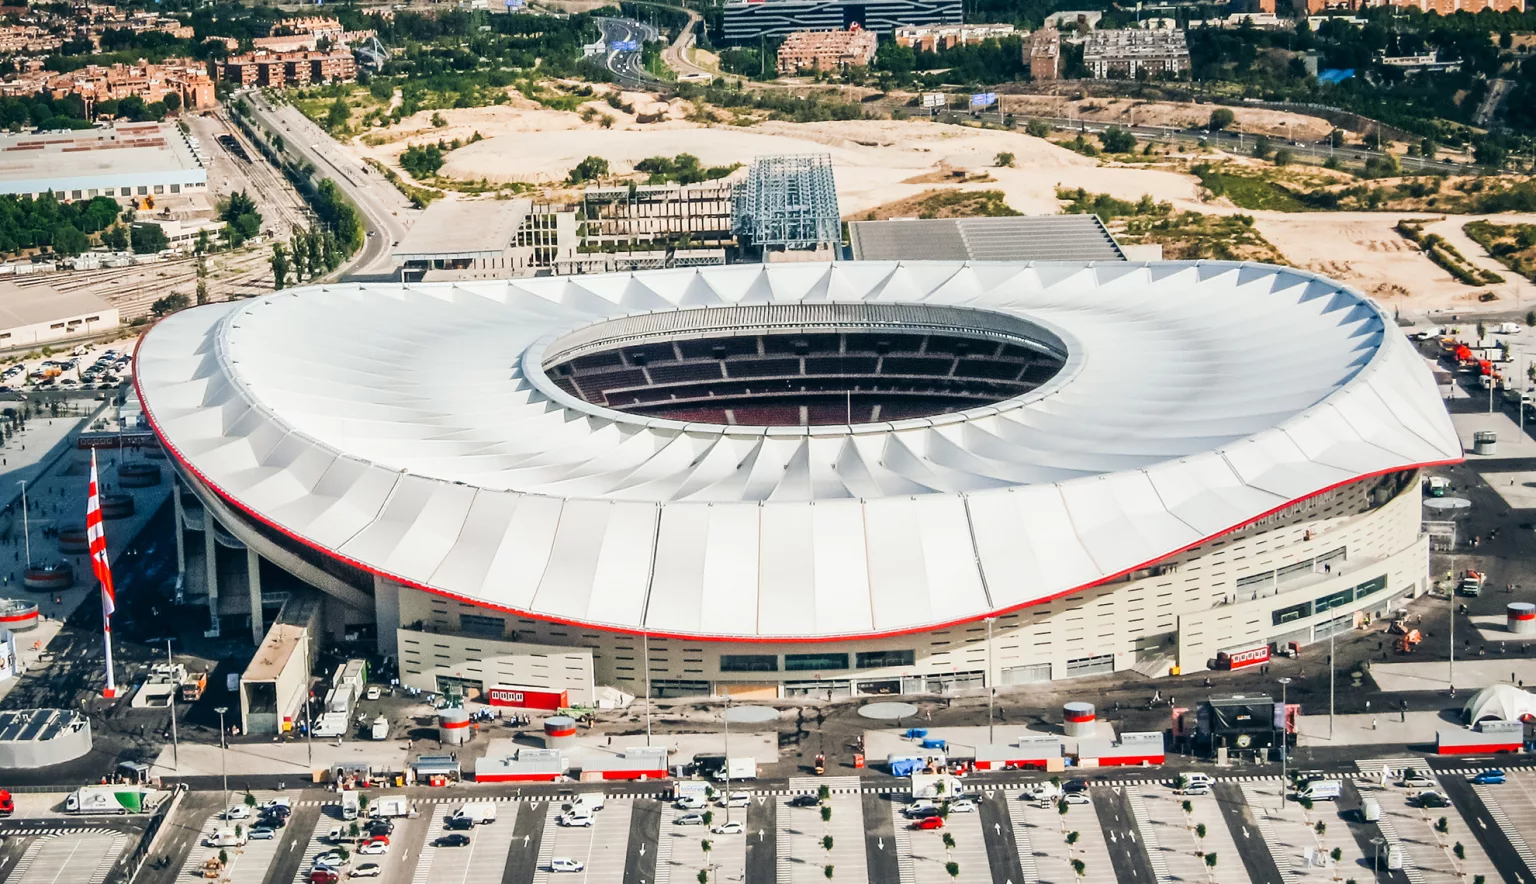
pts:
[385, 211]
[626, 64]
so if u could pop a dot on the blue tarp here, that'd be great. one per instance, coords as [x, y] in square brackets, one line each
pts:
[916, 733]
[905, 767]
[1335, 75]
[935, 743]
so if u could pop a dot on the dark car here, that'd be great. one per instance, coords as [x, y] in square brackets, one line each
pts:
[381, 827]
[1433, 800]
[923, 813]
[1076, 784]
[281, 810]
[459, 823]
[804, 801]
[454, 840]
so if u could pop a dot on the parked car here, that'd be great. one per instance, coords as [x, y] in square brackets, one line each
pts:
[734, 827]
[381, 827]
[1488, 777]
[373, 848]
[689, 819]
[931, 822]
[1076, 784]
[735, 799]
[262, 833]
[919, 807]
[689, 802]
[459, 823]
[324, 875]
[1431, 799]
[962, 805]
[1414, 779]
[238, 812]
[373, 692]
[566, 864]
[574, 820]
[1075, 798]
[331, 859]
[452, 840]
[804, 801]
[368, 870]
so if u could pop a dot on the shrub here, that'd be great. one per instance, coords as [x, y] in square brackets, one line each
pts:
[1117, 140]
[1037, 128]
[1004, 159]
[1221, 118]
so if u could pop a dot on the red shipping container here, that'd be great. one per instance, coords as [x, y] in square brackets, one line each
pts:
[527, 698]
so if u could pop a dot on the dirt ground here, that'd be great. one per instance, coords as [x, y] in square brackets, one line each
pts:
[1126, 111]
[878, 162]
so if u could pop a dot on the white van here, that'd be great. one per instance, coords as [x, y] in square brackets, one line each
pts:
[225, 838]
[1320, 790]
[483, 813]
[1196, 781]
[588, 801]
[1370, 810]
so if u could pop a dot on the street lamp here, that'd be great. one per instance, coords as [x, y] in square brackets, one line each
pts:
[727, 718]
[1285, 724]
[1376, 845]
[175, 747]
[224, 758]
[26, 524]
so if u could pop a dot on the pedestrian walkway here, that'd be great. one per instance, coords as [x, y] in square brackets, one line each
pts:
[82, 859]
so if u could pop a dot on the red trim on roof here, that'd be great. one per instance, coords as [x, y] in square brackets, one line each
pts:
[687, 636]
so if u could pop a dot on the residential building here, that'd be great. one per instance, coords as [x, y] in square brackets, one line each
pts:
[185, 77]
[827, 50]
[1132, 53]
[747, 21]
[278, 69]
[1043, 53]
[933, 38]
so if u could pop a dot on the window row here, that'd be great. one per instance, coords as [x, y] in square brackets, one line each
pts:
[815, 662]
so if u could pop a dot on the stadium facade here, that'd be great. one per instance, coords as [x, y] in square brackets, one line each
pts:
[803, 478]
[754, 19]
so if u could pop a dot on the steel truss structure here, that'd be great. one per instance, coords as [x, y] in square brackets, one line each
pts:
[788, 202]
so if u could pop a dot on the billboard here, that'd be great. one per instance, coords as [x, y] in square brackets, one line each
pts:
[625, 46]
[983, 99]
[934, 99]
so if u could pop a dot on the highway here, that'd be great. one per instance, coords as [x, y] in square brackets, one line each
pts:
[385, 211]
[625, 64]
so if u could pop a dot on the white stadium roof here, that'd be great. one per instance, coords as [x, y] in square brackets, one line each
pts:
[411, 431]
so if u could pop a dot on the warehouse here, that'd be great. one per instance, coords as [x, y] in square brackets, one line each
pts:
[813, 479]
[38, 313]
[126, 161]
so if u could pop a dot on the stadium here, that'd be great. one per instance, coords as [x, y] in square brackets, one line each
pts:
[802, 479]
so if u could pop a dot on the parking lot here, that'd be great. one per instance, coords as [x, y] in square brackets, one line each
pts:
[1184, 839]
[1041, 835]
[600, 847]
[1431, 844]
[930, 856]
[802, 856]
[481, 861]
[1513, 807]
[84, 858]
[1291, 833]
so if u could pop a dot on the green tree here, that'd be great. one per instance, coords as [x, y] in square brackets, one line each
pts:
[1442, 825]
[827, 870]
[1073, 836]
[1117, 140]
[1200, 831]
[437, 120]
[1283, 157]
[300, 255]
[826, 843]
[115, 237]
[1337, 854]
[824, 794]
[336, 118]
[1221, 118]
[69, 241]
[953, 868]
[169, 304]
[703, 876]
[589, 169]
[1037, 128]
[280, 278]
[148, 239]
[1459, 850]
[1210, 860]
[949, 841]
[1336, 138]
[1261, 146]
[826, 814]
[1079, 868]
[172, 102]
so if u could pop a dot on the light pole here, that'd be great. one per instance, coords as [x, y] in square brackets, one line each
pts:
[26, 524]
[175, 748]
[1333, 626]
[309, 725]
[1451, 594]
[991, 690]
[1285, 726]
[224, 758]
[645, 641]
[727, 718]
[1376, 845]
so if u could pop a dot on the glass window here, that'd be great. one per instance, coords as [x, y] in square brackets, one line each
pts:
[1327, 602]
[1255, 579]
[1096, 665]
[813, 662]
[749, 663]
[1371, 586]
[479, 624]
[877, 659]
[1294, 612]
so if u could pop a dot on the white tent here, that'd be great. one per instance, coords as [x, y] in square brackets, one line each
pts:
[1501, 702]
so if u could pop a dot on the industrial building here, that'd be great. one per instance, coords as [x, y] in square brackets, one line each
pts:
[748, 20]
[1020, 238]
[37, 313]
[486, 239]
[656, 215]
[803, 479]
[125, 161]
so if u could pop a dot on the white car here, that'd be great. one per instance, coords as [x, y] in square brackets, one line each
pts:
[689, 802]
[689, 819]
[962, 805]
[1416, 780]
[368, 870]
[373, 692]
[736, 799]
[1073, 798]
[919, 806]
[373, 848]
[734, 827]
[238, 812]
[574, 820]
[566, 864]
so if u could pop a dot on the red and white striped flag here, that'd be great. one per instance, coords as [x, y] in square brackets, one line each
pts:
[98, 548]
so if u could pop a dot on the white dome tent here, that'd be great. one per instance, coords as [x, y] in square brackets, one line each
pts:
[1500, 702]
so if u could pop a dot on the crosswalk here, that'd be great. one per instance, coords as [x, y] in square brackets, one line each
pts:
[1026, 849]
[1256, 801]
[663, 873]
[1489, 796]
[1149, 838]
[1389, 831]
[80, 859]
[48, 831]
[1396, 764]
[903, 840]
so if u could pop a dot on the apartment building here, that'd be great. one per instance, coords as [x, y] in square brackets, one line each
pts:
[935, 38]
[277, 69]
[1043, 54]
[187, 78]
[826, 50]
[1129, 54]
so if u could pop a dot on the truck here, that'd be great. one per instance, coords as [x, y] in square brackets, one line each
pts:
[481, 813]
[1472, 583]
[350, 805]
[390, 805]
[380, 728]
[331, 724]
[738, 769]
[935, 786]
[107, 799]
[194, 685]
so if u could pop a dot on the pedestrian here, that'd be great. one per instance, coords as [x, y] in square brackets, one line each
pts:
[1367, 705]
[1373, 723]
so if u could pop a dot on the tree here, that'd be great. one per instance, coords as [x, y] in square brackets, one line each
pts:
[1200, 831]
[826, 814]
[354, 830]
[300, 254]
[280, 271]
[336, 118]
[1188, 807]
[703, 877]
[706, 846]
[1210, 860]
[824, 794]
[69, 241]
[1221, 118]
[148, 239]
[437, 120]
[1283, 157]
[172, 102]
[1336, 138]
[953, 868]
[827, 870]
[1117, 140]
[1459, 850]
[1261, 146]
[115, 237]
[1073, 836]
[1321, 827]
[826, 843]
[1427, 148]
[202, 247]
[1337, 854]
[1004, 159]
[168, 304]
[1079, 868]
[1037, 128]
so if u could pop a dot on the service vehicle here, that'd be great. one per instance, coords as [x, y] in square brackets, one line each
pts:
[7, 803]
[389, 806]
[1042, 792]
[338, 835]
[592, 801]
[380, 728]
[194, 685]
[224, 838]
[690, 802]
[935, 786]
[1370, 810]
[735, 799]
[734, 827]
[350, 805]
[237, 812]
[482, 813]
[738, 769]
[1488, 778]
[107, 799]
[1320, 790]
[566, 864]
[919, 806]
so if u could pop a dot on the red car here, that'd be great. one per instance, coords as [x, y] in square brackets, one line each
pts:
[378, 839]
[932, 822]
[324, 876]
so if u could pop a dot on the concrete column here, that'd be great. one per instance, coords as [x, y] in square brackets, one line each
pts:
[386, 615]
[211, 566]
[181, 539]
[253, 579]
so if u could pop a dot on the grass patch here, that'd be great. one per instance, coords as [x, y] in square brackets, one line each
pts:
[1249, 191]
[1513, 245]
[1183, 235]
[946, 204]
[419, 196]
[1446, 255]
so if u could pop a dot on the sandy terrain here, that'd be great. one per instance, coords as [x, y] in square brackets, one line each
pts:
[881, 161]
[1276, 124]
